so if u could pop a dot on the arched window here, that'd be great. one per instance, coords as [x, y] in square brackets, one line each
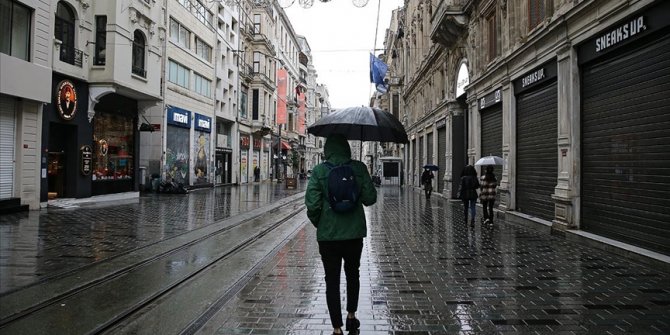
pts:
[64, 32]
[138, 54]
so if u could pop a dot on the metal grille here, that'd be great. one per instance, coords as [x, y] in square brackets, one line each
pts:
[626, 146]
[536, 151]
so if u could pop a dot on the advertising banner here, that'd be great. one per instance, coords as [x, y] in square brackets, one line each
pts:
[302, 109]
[282, 86]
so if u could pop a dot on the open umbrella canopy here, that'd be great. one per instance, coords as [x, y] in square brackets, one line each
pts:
[490, 160]
[431, 167]
[361, 123]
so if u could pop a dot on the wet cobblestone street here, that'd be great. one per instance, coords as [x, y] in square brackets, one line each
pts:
[40, 244]
[424, 271]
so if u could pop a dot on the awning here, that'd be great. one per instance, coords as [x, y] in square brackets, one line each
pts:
[284, 145]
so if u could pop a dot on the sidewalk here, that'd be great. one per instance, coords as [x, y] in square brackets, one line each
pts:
[424, 271]
[40, 244]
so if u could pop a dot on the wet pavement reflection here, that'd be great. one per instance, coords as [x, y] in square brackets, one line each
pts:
[425, 271]
[42, 244]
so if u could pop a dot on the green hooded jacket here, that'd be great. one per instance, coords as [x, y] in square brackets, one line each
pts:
[332, 226]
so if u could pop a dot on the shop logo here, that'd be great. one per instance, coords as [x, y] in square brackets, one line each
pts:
[66, 100]
[203, 124]
[620, 34]
[180, 118]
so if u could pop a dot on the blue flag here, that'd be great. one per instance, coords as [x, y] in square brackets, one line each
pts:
[377, 73]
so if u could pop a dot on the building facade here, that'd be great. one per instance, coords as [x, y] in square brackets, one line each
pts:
[504, 76]
[26, 54]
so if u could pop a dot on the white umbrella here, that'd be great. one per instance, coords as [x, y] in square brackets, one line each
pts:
[490, 160]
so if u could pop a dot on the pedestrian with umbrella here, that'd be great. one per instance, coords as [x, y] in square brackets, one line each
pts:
[487, 194]
[427, 179]
[340, 234]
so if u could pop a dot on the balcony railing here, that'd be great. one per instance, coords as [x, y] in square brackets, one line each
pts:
[139, 71]
[71, 55]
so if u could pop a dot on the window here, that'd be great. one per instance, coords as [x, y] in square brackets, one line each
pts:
[185, 3]
[64, 32]
[203, 86]
[179, 34]
[202, 14]
[99, 58]
[179, 74]
[536, 13]
[15, 24]
[492, 36]
[257, 23]
[138, 54]
[243, 105]
[254, 104]
[257, 62]
[203, 50]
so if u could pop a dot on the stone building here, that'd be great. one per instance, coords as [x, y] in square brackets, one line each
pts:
[570, 93]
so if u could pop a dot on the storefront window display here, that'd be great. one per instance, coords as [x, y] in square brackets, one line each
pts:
[112, 147]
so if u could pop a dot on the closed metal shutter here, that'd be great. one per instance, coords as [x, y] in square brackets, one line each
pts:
[429, 148]
[626, 146]
[536, 151]
[413, 163]
[441, 157]
[7, 138]
[491, 131]
[421, 161]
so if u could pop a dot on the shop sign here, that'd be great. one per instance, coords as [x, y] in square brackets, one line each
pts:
[462, 80]
[86, 159]
[179, 117]
[203, 123]
[257, 143]
[630, 29]
[490, 99]
[66, 100]
[536, 77]
[244, 142]
[441, 123]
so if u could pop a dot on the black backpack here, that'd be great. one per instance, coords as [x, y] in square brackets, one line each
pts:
[343, 191]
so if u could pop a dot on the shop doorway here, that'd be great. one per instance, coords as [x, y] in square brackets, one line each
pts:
[60, 169]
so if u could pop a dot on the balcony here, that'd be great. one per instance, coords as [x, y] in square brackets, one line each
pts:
[71, 55]
[262, 40]
[450, 21]
[246, 72]
[263, 78]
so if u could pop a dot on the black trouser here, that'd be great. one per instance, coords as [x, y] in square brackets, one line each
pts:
[487, 206]
[332, 254]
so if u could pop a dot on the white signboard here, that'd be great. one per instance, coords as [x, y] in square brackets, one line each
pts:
[462, 80]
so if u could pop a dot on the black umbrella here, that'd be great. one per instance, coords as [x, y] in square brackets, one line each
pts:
[431, 167]
[362, 124]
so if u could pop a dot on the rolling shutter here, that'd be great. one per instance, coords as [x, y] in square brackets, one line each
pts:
[491, 131]
[441, 157]
[7, 138]
[536, 151]
[626, 146]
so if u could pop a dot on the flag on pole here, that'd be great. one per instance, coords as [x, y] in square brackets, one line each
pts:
[377, 73]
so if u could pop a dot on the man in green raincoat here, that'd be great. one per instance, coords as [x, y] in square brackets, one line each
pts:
[340, 235]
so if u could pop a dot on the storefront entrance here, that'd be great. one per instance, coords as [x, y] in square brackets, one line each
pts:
[61, 166]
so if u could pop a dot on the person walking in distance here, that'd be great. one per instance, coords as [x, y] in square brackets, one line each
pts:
[467, 191]
[339, 233]
[427, 182]
[487, 194]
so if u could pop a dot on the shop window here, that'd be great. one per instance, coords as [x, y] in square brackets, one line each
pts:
[15, 24]
[138, 54]
[113, 147]
[100, 57]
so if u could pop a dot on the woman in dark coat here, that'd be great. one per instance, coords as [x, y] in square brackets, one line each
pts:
[467, 191]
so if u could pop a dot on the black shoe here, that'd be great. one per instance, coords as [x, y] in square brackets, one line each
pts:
[353, 325]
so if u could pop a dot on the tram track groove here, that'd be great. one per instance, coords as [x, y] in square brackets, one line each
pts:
[19, 306]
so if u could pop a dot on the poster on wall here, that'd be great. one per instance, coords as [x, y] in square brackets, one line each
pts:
[177, 155]
[243, 166]
[201, 149]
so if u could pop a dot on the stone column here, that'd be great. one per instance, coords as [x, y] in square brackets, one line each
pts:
[566, 194]
[507, 177]
[454, 109]
[474, 135]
